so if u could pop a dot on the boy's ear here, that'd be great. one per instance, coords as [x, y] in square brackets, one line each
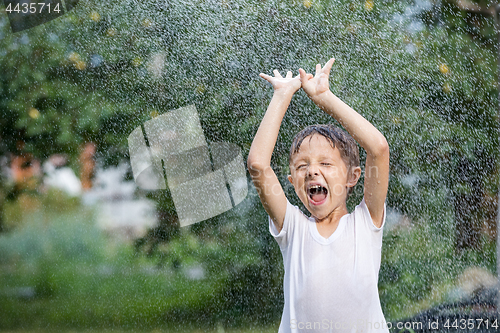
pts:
[290, 179]
[354, 176]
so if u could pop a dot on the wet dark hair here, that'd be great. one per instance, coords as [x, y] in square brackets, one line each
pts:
[347, 146]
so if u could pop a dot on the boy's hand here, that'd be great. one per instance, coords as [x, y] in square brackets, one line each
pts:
[287, 84]
[314, 86]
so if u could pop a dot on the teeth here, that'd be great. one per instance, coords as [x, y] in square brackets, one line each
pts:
[316, 189]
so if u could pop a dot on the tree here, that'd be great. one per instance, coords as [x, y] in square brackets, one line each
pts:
[44, 107]
[469, 103]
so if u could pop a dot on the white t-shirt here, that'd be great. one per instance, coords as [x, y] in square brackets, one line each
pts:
[330, 285]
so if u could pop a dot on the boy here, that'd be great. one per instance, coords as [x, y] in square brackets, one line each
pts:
[332, 258]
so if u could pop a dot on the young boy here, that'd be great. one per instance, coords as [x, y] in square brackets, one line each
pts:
[332, 258]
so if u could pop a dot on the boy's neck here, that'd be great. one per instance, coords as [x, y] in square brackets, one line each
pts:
[328, 225]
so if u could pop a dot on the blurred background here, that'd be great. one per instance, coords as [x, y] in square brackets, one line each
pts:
[82, 248]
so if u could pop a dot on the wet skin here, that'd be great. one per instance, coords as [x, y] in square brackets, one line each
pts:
[318, 168]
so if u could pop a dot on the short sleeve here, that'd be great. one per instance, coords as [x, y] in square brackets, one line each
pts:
[274, 231]
[368, 218]
[363, 214]
[284, 235]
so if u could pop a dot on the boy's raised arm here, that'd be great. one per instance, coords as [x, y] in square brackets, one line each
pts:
[377, 150]
[259, 158]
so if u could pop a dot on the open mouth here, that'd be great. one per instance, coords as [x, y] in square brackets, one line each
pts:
[317, 193]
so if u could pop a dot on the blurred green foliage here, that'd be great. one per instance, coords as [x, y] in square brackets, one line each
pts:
[57, 270]
[106, 67]
[420, 267]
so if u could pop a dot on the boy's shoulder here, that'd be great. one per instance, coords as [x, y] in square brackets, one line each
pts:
[301, 230]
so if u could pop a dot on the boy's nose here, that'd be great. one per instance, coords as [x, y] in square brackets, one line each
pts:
[312, 171]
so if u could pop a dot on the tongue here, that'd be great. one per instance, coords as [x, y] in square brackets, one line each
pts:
[318, 196]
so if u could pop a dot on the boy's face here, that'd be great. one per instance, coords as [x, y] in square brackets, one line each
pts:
[320, 176]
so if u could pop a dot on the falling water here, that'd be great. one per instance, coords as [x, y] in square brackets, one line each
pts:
[423, 72]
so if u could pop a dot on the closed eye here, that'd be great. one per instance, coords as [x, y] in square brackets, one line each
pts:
[301, 166]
